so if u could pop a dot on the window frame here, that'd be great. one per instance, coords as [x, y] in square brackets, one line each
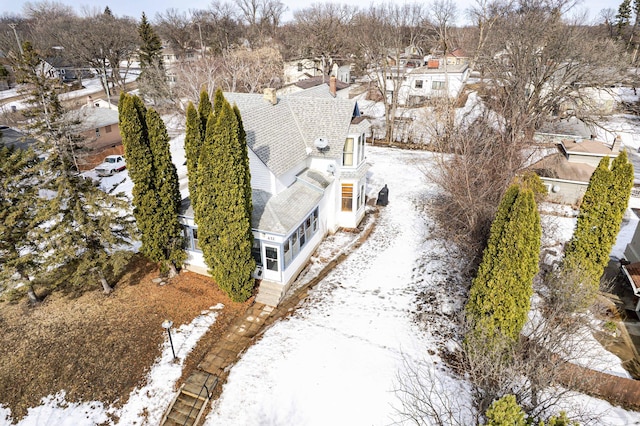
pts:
[346, 193]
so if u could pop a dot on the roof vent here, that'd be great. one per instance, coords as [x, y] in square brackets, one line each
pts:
[322, 144]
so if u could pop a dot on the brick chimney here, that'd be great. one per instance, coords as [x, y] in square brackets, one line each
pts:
[617, 144]
[269, 94]
[332, 85]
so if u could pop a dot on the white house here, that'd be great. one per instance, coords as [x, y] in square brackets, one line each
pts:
[308, 174]
[436, 79]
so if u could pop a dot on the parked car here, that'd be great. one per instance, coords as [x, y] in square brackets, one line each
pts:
[111, 164]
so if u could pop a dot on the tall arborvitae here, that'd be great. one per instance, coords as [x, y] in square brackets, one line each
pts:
[140, 167]
[499, 298]
[601, 213]
[204, 110]
[192, 145]
[224, 227]
[167, 187]
[243, 151]
[218, 101]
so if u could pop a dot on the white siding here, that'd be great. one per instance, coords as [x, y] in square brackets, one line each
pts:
[261, 176]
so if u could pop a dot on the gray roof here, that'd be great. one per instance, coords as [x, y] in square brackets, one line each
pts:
[451, 68]
[13, 138]
[283, 135]
[93, 117]
[279, 214]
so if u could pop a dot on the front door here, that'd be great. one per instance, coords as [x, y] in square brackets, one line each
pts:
[271, 256]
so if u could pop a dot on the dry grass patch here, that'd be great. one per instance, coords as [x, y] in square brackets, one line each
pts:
[98, 347]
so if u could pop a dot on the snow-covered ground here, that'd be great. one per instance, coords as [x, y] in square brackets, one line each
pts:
[339, 359]
[145, 405]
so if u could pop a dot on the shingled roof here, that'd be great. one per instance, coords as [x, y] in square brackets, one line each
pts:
[283, 135]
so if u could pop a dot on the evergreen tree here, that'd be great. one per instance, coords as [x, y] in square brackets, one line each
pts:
[218, 101]
[152, 78]
[505, 411]
[151, 46]
[132, 117]
[156, 192]
[19, 204]
[204, 111]
[243, 154]
[224, 228]
[192, 145]
[168, 228]
[624, 16]
[499, 298]
[77, 226]
[598, 224]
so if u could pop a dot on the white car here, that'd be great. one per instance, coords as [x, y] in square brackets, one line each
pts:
[111, 164]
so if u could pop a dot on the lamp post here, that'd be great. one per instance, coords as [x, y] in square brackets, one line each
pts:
[166, 324]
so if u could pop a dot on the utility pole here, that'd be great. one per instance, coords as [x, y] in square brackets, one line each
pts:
[13, 27]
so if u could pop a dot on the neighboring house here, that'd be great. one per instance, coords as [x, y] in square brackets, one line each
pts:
[566, 173]
[423, 83]
[306, 68]
[632, 270]
[101, 132]
[308, 174]
[457, 57]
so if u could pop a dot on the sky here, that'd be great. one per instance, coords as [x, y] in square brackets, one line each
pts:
[151, 7]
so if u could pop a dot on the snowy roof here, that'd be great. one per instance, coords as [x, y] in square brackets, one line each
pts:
[281, 213]
[451, 69]
[93, 118]
[283, 135]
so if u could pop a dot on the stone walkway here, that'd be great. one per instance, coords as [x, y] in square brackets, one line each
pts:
[245, 331]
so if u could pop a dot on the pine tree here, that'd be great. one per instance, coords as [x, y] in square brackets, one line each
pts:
[19, 204]
[499, 299]
[224, 228]
[624, 16]
[151, 46]
[152, 78]
[192, 145]
[79, 228]
[169, 230]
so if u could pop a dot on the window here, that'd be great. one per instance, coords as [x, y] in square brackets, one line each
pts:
[302, 235]
[418, 84]
[294, 244]
[361, 143]
[97, 133]
[299, 66]
[190, 238]
[255, 252]
[347, 154]
[271, 255]
[347, 197]
[107, 129]
[361, 196]
[307, 228]
[287, 252]
[437, 85]
[314, 221]
[194, 232]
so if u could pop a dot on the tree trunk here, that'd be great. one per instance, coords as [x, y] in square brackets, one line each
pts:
[107, 289]
[31, 293]
[172, 270]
